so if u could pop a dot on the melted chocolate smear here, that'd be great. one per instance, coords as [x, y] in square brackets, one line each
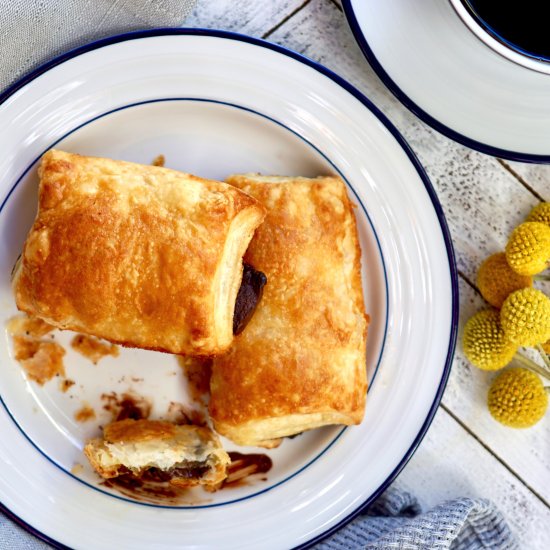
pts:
[198, 371]
[147, 491]
[181, 415]
[154, 485]
[244, 465]
[129, 409]
[239, 461]
[250, 293]
[127, 405]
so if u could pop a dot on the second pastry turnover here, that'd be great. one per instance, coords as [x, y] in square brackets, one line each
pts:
[300, 363]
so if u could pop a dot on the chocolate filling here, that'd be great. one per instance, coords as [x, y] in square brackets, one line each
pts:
[249, 295]
[191, 470]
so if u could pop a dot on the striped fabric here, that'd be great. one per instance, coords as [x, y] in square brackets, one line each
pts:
[395, 521]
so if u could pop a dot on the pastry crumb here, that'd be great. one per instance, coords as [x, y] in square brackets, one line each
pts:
[85, 413]
[23, 325]
[159, 160]
[42, 361]
[92, 348]
[77, 469]
[65, 384]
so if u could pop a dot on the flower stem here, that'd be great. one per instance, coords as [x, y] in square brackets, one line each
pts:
[531, 365]
[544, 356]
[541, 277]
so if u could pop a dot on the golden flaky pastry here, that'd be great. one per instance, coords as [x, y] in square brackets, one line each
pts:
[300, 362]
[139, 255]
[159, 451]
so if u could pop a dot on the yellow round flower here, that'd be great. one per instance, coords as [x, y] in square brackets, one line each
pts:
[517, 398]
[525, 317]
[546, 346]
[528, 249]
[496, 279]
[484, 342]
[541, 213]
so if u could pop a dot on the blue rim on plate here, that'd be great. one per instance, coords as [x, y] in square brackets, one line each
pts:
[421, 113]
[400, 140]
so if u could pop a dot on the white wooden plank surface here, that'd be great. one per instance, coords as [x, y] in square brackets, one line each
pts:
[253, 17]
[537, 176]
[483, 201]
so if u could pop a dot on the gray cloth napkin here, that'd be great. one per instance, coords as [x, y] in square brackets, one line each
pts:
[32, 32]
[395, 521]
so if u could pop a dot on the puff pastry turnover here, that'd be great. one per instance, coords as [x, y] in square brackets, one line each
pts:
[160, 451]
[139, 255]
[300, 363]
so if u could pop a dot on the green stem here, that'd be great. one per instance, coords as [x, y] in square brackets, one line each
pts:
[544, 355]
[541, 277]
[531, 365]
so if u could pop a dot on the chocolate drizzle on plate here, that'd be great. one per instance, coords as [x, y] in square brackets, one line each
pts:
[245, 465]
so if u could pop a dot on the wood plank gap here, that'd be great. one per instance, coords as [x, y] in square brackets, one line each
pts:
[520, 178]
[488, 449]
[467, 281]
[285, 19]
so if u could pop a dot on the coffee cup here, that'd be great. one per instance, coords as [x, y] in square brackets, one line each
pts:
[517, 31]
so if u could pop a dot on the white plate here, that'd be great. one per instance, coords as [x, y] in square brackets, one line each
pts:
[443, 73]
[215, 103]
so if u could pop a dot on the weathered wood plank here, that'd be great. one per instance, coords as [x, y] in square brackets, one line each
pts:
[537, 176]
[450, 464]
[254, 18]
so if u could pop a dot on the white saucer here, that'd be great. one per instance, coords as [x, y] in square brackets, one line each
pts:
[444, 74]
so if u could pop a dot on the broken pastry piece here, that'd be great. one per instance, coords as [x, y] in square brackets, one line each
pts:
[141, 256]
[301, 361]
[157, 450]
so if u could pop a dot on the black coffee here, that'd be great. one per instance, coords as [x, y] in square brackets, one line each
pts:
[523, 23]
